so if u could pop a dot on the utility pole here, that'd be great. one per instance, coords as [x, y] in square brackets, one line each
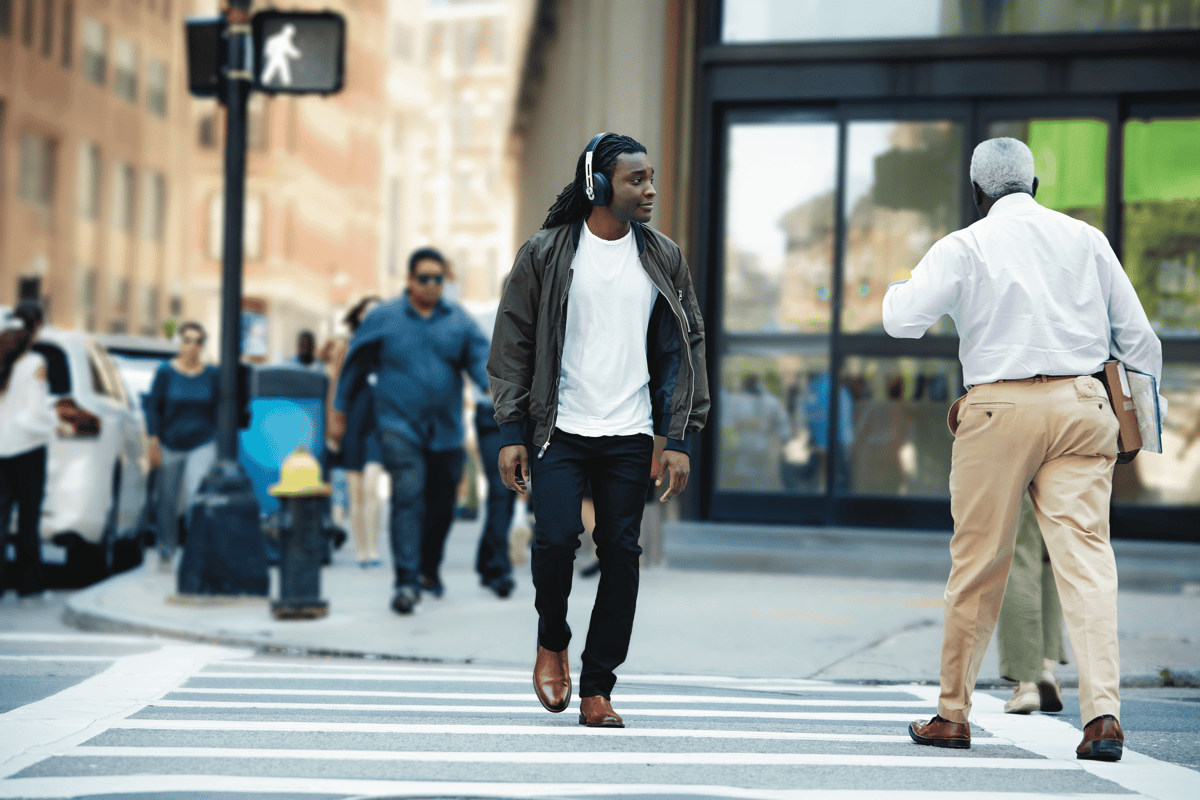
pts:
[225, 553]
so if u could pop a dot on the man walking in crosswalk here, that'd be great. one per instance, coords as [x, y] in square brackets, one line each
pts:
[1040, 302]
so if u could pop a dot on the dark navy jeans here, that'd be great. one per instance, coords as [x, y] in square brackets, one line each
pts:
[492, 560]
[618, 468]
[424, 487]
[23, 483]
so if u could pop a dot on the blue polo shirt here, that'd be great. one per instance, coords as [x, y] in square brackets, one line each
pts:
[419, 363]
[181, 410]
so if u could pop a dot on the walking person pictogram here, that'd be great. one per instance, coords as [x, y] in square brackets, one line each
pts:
[278, 49]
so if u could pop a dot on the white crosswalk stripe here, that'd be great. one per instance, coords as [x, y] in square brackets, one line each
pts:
[209, 720]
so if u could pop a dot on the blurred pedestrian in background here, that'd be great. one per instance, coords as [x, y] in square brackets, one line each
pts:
[492, 560]
[306, 353]
[181, 418]
[359, 455]
[418, 345]
[1029, 632]
[1041, 302]
[27, 424]
[598, 346]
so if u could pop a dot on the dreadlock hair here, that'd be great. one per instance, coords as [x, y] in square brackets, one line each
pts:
[572, 203]
[16, 337]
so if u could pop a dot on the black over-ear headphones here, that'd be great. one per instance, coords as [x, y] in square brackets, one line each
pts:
[596, 186]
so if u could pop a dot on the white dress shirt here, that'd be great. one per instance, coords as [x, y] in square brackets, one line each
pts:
[27, 415]
[1032, 292]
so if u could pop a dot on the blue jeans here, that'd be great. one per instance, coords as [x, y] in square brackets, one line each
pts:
[492, 560]
[424, 485]
[618, 468]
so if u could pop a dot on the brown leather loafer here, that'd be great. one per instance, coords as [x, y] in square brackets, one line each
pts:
[1103, 740]
[597, 712]
[552, 680]
[941, 733]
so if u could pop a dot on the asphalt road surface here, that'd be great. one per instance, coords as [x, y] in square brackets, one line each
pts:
[87, 715]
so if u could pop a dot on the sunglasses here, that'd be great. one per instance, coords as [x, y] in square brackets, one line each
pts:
[191, 340]
[430, 278]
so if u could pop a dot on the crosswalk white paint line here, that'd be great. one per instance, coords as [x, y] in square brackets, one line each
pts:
[537, 709]
[86, 638]
[542, 757]
[632, 698]
[37, 730]
[64, 658]
[40, 788]
[513, 730]
[1056, 739]
[416, 674]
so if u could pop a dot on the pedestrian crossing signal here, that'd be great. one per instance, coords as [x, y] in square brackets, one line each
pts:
[299, 52]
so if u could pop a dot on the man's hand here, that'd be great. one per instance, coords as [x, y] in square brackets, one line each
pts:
[679, 464]
[155, 453]
[335, 430]
[514, 467]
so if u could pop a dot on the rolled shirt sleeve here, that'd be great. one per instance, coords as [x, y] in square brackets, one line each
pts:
[910, 307]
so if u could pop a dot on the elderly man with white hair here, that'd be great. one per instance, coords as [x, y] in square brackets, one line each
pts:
[1040, 302]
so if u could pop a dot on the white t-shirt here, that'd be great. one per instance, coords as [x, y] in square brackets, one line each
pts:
[604, 385]
[27, 416]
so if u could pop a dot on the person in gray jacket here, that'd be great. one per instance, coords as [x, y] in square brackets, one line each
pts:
[598, 348]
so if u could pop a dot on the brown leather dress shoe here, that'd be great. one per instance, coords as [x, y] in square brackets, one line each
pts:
[552, 680]
[941, 733]
[597, 712]
[1103, 740]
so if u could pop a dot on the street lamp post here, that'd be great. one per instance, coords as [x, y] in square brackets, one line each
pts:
[225, 553]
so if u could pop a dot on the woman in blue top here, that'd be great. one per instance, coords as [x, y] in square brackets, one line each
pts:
[181, 418]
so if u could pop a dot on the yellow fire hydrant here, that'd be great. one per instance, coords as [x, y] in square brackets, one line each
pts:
[302, 543]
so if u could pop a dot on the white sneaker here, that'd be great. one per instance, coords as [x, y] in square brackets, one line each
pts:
[1025, 698]
[1048, 691]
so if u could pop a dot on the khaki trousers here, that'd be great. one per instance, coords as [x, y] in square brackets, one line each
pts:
[1057, 436]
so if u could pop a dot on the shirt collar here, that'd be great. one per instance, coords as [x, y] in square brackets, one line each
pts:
[1012, 205]
[438, 310]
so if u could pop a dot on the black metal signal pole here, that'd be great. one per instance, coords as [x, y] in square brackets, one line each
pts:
[225, 553]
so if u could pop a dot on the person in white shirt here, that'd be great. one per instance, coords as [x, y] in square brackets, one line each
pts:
[1040, 302]
[598, 347]
[27, 423]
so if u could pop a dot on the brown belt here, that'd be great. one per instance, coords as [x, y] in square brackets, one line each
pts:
[1040, 378]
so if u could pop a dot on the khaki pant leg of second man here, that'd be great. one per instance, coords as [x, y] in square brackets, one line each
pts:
[1070, 496]
[999, 446]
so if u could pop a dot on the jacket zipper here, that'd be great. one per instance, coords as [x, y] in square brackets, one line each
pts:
[688, 349]
[558, 365]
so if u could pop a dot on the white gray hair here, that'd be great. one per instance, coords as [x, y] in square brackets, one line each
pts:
[1002, 166]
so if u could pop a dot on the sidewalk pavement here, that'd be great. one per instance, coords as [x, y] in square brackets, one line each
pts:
[731, 600]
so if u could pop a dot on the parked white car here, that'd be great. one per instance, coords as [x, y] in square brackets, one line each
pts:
[95, 485]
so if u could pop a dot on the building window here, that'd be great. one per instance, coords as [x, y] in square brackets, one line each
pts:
[87, 300]
[470, 34]
[89, 179]
[393, 211]
[824, 20]
[156, 86]
[402, 42]
[149, 310]
[47, 27]
[206, 131]
[68, 33]
[95, 51]
[175, 306]
[37, 170]
[464, 123]
[125, 65]
[252, 223]
[5, 17]
[495, 40]
[154, 206]
[256, 122]
[27, 23]
[124, 197]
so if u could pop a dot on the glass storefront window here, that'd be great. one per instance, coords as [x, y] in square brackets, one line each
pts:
[774, 414]
[1172, 478]
[899, 443]
[826, 20]
[1162, 222]
[1069, 158]
[904, 188]
[779, 227]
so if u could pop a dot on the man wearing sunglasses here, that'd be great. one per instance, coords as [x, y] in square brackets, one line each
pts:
[417, 346]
